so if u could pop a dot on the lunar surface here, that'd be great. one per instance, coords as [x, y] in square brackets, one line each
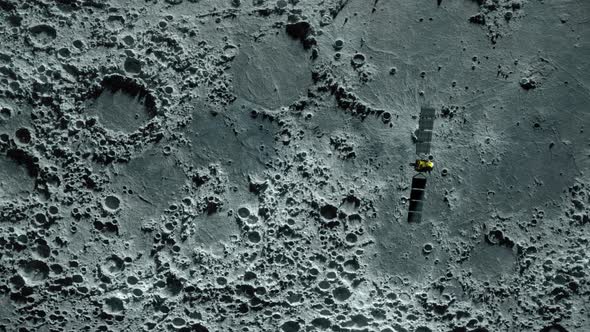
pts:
[243, 165]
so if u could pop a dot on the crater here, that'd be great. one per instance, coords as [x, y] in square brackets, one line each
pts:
[490, 262]
[122, 104]
[42, 34]
[113, 264]
[243, 212]
[132, 66]
[112, 202]
[113, 305]
[341, 293]
[34, 271]
[329, 211]
[115, 22]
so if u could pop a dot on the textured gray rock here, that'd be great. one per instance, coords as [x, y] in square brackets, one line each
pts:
[207, 165]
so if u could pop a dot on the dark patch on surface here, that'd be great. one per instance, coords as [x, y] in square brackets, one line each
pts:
[130, 86]
[301, 31]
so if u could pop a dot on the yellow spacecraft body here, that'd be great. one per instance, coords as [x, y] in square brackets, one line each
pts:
[422, 165]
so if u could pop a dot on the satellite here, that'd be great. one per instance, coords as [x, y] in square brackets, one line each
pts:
[423, 163]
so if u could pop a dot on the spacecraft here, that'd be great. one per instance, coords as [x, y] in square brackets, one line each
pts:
[423, 164]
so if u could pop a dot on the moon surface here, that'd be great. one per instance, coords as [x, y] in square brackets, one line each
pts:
[243, 165]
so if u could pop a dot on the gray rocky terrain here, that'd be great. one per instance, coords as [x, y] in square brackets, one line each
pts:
[242, 165]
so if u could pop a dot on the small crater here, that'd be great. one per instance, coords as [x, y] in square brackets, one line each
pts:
[351, 238]
[341, 293]
[53, 210]
[358, 60]
[132, 280]
[338, 44]
[113, 305]
[42, 34]
[78, 44]
[23, 135]
[321, 323]
[132, 66]
[173, 286]
[290, 326]
[254, 237]
[115, 22]
[128, 40]
[111, 202]
[113, 264]
[178, 322]
[329, 211]
[34, 271]
[64, 52]
[494, 237]
[40, 218]
[386, 117]
[230, 52]
[351, 265]
[243, 212]
[5, 113]
[43, 250]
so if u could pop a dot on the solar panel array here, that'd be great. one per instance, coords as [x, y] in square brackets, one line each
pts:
[425, 125]
[417, 198]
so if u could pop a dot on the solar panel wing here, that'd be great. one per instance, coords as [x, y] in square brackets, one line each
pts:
[414, 216]
[417, 198]
[424, 134]
[419, 182]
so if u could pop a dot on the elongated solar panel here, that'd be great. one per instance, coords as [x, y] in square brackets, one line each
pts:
[417, 195]
[414, 216]
[418, 182]
[416, 206]
[426, 118]
[424, 134]
[422, 148]
[417, 198]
